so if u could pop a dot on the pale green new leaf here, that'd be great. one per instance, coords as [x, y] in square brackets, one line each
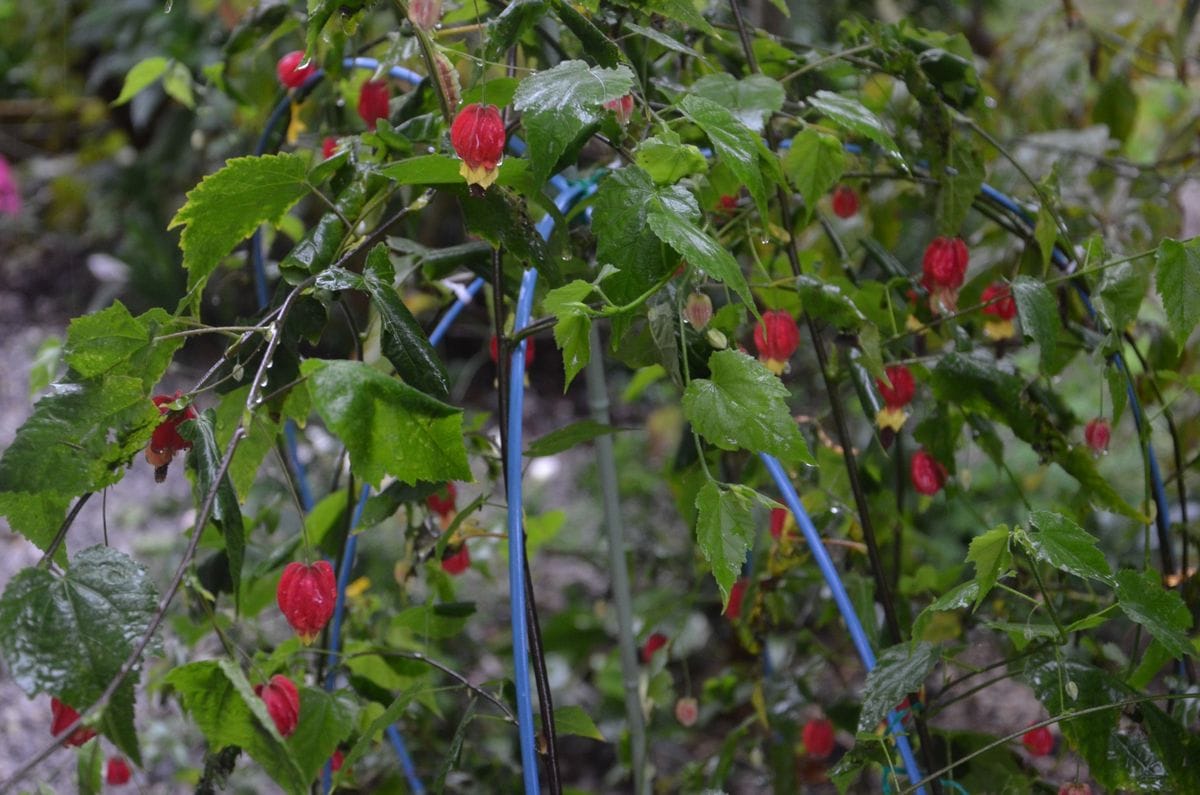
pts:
[573, 325]
[140, 76]
[736, 145]
[991, 556]
[725, 529]
[1178, 280]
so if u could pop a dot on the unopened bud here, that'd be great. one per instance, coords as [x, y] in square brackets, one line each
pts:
[699, 310]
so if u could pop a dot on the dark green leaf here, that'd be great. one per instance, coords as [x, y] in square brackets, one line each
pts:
[1038, 313]
[258, 441]
[814, 163]
[69, 635]
[742, 405]
[681, 10]
[623, 234]
[752, 100]
[736, 145]
[226, 514]
[567, 437]
[594, 42]
[1163, 612]
[1178, 281]
[853, 117]
[725, 529]
[326, 720]
[1117, 105]
[504, 31]
[227, 206]
[990, 554]
[1065, 545]
[320, 244]
[88, 769]
[830, 302]
[1045, 233]
[369, 411]
[403, 341]
[898, 671]
[959, 185]
[573, 720]
[697, 247]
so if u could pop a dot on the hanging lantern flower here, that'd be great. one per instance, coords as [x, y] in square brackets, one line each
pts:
[928, 474]
[622, 107]
[776, 338]
[306, 596]
[456, 560]
[943, 269]
[845, 201]
[292, 71]
[478, 137]
[1000, 305]
[1097, 434]
[283, 703]
[897, 392]
[373, 97]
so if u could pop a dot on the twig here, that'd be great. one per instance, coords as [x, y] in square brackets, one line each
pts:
[63, 528]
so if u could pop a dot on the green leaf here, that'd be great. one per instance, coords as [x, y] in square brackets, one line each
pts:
[1163, 612]
[1178, 280]
[89, 777]
[140, 76]
[571, 719]
[959, 185]
[327, 720]
[258, 441]
[558, 104]
[511, 24]
[567, 437]
[830, 302]
[444, 170]
[813, 163]
[1122, 291]
[595, 43]
[752, 100]
[725, 529]
[991, 557]
[697, 247]
[112, 341]
[852, 116]
[322, 242]
[1039, 315]
[177, 82]
[403, 341]
[742, 405]
[899, 670]
[658, 37]
[1045, 233]
[226, 514]
[385, 719]
[222, 703]
[227, 206]
[369, 411]
[572, 327]
[667, 160]
[1065, 545]
[623, 234]
[736, 145]
[680, 10]
[80, 438]
[68, 635]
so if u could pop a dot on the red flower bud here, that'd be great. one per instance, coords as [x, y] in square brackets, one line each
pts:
[456, 561]
[1039, 741]
[283, 703]
[734, 608]
[817, 737]
[329, 147]
[373, 98]
[62, 716]
[441, 501]
[166, 441]
[337, 760]
[653, 643]
[902, 388]
[928, 475]
[477, 136]
[1097, 434]
[117, 772]
[999, 301]
[781, 522]
[776, 338]
[945, 264]
[623, 107]
[494, 350]
[425, 14]
[845, 201]
[727, 203]
[698, 310]
[290, 72]
[306, 597]
[687, 711]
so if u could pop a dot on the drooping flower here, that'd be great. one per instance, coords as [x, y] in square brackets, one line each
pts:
[698, 310]
[782, 523]
[117, 772]
[1097, 434]
[622, 107]
[928, 474]
[62, 716]
[373, 97]
[734, 607]
[653, 643]
[456, 561]
[896, 395]
[337, 760]
[442, 503]
[943, 269]
[425, 14]
[477, 136]
[307, 596]
[818, 738]
[687, 711]
[283, 703]
[292, 71]
[1000, 305]
[1038, 741]
[845, 201]
[776, 338]
[329, 147]
[166, 441]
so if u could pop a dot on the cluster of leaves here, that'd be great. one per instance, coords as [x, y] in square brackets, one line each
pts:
[717, 186]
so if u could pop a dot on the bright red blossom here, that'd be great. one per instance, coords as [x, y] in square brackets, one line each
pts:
[117, 772]
[62, 716]
[306, 597]
[329, 147]
[337, 760]
[653, 643]
[477, 136]
[622, 107]
[943, 269]
[776, 338]
[290, 72]
[845, 201]
[999, 300]
[928, 475]
[1097, 435]
[734, 608]
[442, 501]
[782, 522]
[1039, 741]
[166, 441]
[373, 98]
[283, 703]
[896, 395]
[456, 561]
[818, 738]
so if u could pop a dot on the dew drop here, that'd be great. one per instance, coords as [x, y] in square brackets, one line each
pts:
[430, 149]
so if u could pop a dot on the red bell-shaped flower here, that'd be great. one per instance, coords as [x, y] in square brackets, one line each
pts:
[818, 738]
[62, 716]
[373, 98]
[845, 201]
[165, 442]
[653, 643]
[283, 703]
[477, 136]
[928, 475]
[1001, 308]
[1039, 741]
[1097, 434]
[117, 772]
[290, 72]
[943, 269]
[306, 597]
[456, 561]
[425, 14]
[776, 338]
[896, 395]
[782, 523]
[734, 608]
[329, 147]
[442, 501]
[622, 107]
